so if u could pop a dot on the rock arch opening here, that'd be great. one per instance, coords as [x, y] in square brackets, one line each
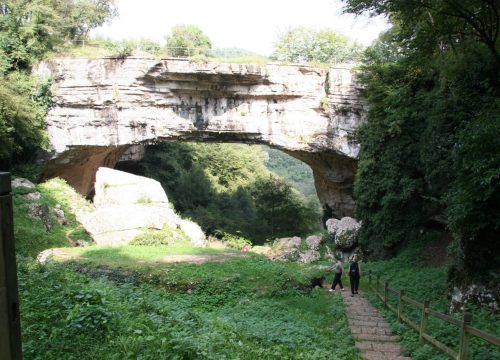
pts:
[103, 106]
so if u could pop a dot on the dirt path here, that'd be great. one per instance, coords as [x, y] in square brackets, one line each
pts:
[371, 332]
[196, 259]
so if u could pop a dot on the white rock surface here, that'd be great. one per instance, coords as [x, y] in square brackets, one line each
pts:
[114, 187]
[22, 182]
[344, 232]
[125, 204]
[313, 242]
[103, 106]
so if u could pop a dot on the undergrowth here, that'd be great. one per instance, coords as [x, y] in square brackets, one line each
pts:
[423, 282]
[125, 303]
[245, 309]
[31, 235]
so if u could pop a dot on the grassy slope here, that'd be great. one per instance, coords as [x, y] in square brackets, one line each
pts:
[120, 303]
[422, 281]
[31, 236]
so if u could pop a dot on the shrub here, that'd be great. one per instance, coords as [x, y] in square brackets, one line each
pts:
[165, 236]
[235, 241]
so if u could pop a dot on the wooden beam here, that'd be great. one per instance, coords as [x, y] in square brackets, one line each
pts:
[10, 329]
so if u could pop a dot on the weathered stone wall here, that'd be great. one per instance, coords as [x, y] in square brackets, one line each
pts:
[103, 106]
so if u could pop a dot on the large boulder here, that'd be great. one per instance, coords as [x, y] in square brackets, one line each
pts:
[193, 231]
[114, 187]
[313, 242]
[126, 204]
[21, 182]
[286, 248]
[344, 232]
[309, 256]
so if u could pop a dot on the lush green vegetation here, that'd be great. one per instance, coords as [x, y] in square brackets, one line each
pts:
[304, 45]
[420, 269]
[430, 146]
[31, 234]
[226, 188]
[296, 172]
[29, 30]
[189, 312]
[126, 303]
[187, 40]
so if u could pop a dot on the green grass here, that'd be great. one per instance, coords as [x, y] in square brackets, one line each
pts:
[125, 303]
[244, 308]
[131, 256]
[427, 282]
[31, 235]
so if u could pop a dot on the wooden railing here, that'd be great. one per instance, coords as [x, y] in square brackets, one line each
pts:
[466, 330]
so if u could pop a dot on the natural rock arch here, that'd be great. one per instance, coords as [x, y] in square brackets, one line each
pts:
[104, 106]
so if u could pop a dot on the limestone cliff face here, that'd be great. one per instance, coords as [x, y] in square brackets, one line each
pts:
[103, 106]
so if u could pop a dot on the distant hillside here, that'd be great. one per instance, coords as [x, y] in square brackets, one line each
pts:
[296, 172]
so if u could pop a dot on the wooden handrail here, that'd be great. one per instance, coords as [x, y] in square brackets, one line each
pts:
[464, 324]
[395, 292]
[440, 346]
[444, 317]
[413, 302]
[495, 340]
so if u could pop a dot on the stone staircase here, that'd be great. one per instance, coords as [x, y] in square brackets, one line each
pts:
[371, 332]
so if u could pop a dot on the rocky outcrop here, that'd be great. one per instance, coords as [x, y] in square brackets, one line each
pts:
[103, 106]
[126, 204]
[344, 232]
[22, 183]
[293, 249]
[313, 242]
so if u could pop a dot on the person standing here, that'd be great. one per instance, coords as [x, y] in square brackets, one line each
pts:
[337, 279]
[354, 274]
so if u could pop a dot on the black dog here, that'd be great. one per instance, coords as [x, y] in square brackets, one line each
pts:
[317, 281]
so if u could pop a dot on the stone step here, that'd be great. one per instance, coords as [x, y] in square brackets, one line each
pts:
[372, 333]
[379, 355]
[375, 337]
[376, 346]
[370, 330]
[377, 324]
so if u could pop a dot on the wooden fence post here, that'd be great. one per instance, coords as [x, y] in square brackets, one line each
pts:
[369, 278]
[10, 329]
[400, 305]
[423, 322]
[378, 282]
[386, 293]
[464, 337]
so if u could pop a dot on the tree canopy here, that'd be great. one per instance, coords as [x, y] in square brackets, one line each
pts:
[29, 30]
[305, 45]
[226, 188]
[187, 40]
[429, 154]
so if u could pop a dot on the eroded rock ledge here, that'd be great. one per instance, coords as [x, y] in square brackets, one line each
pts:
[103, 106]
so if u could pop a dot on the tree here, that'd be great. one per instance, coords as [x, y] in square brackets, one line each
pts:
[31, 29]
[90, 14]
[28, 31]
[226, 188]
[281, 208]
[439, 24]
[429, 150]
[23, 103]
[304, 45]
[188, 40]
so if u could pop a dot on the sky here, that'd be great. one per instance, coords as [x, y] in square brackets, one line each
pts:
[250, 24]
